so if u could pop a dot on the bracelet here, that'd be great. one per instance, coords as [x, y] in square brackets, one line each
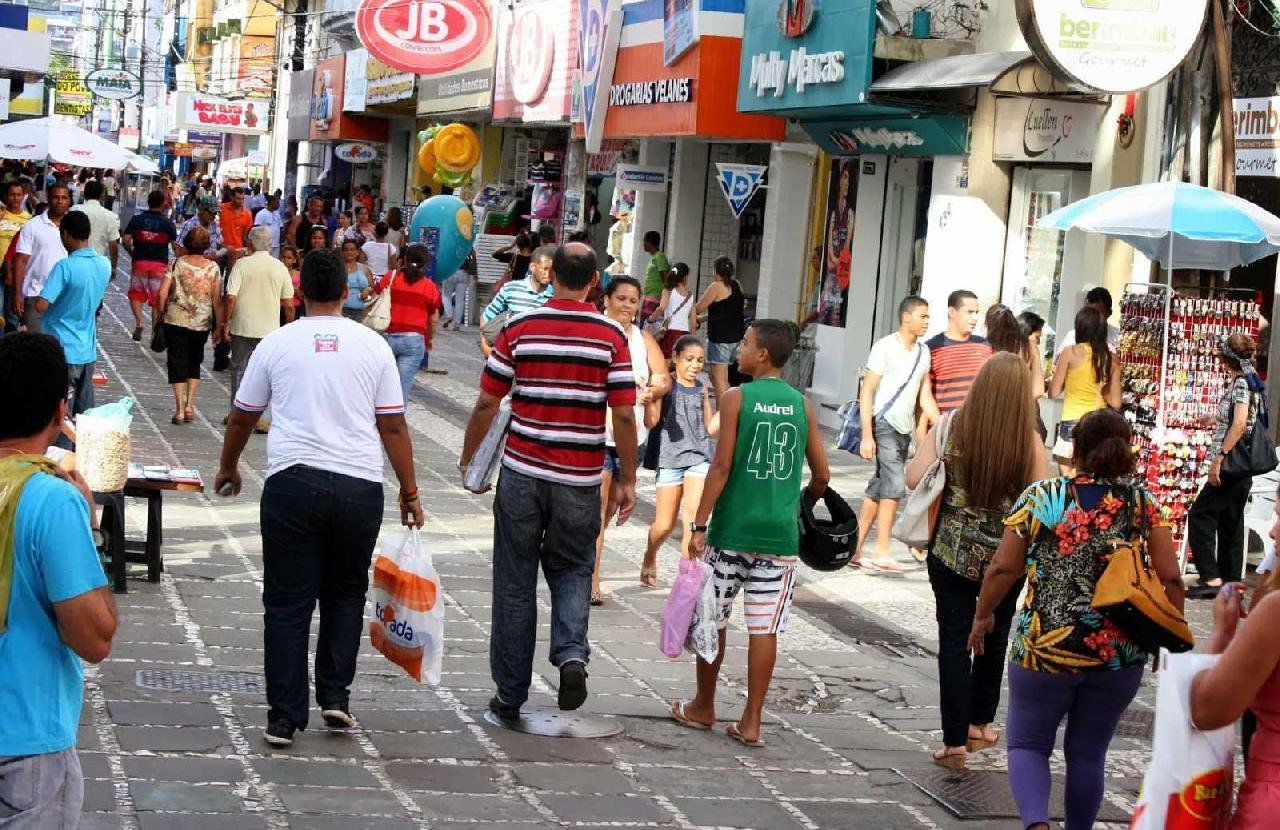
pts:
[410, 496]
[405, 502]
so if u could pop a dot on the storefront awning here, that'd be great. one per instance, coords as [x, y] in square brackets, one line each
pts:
[955, 72]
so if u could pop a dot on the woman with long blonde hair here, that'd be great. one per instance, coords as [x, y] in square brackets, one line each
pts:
[988, 466]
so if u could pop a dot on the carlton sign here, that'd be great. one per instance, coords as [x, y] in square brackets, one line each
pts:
[1115, 46]
[424, 37]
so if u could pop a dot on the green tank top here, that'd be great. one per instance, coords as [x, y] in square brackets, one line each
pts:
[758, 510]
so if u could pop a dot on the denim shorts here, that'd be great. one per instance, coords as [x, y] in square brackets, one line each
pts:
[721, 354]
[674, 476]
[890, 480]
[611, 464]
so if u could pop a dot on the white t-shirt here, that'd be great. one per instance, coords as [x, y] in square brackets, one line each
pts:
[678, 308]
[270, 219]
[42, 241]
[325, 378]
[378, 255]
[1113, 340]
[893, 362]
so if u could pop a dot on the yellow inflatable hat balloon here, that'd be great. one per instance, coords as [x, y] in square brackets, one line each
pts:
[457, 148]
[427, 158]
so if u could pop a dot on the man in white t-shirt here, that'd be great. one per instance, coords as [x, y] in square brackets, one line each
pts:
[891, 387]
[37, 248]
[1099, 298]
[335, 394]
[269, 217]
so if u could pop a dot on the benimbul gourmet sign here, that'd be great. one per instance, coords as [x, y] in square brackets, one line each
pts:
[1115, 46]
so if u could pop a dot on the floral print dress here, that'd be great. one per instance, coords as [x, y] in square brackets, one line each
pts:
[1069, 546]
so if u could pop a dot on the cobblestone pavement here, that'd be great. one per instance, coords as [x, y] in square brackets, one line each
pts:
[853, 699]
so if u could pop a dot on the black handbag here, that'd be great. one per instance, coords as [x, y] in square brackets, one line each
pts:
[1255, 453]
[157, 338]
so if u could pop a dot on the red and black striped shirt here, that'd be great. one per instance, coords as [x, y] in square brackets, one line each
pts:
[954, 365]
[565, 365]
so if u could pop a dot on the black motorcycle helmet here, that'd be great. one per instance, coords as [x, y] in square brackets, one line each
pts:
[827, 545]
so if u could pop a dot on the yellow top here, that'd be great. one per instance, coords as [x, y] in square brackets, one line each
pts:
[1083, 389]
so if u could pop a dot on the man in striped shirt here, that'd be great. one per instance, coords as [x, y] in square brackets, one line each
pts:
[957, 354]
[566, 368]
[519, 296]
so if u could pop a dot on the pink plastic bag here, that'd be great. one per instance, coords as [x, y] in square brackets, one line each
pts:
[677, 614]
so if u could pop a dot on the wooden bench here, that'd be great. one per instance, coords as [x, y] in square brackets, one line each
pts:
[119, 552]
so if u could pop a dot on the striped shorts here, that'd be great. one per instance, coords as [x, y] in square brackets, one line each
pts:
[768, 582]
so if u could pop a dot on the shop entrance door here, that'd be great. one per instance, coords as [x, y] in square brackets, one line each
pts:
[906, 202]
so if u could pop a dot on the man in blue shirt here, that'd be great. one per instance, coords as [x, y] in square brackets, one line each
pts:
[69, 302]
[55, 608]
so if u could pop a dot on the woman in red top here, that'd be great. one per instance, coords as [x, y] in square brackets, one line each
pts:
[415, 311]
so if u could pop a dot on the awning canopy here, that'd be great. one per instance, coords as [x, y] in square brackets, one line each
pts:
[954, 72]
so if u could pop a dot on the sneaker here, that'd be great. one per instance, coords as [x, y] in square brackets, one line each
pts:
[573, 685]
[504, 710]
[337, 717]
[279, 732]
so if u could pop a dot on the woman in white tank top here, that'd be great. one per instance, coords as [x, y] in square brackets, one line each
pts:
[674, 317]
[621, 304]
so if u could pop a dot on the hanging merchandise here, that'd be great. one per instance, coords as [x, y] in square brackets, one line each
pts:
[449, 153]
[1173, 378]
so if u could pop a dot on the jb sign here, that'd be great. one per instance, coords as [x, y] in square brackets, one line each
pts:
[424, 37]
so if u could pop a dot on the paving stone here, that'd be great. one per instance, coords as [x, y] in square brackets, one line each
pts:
[316, 773]
[195, 770]
[521, 747]
[99, 821]
[458, 745]
[99, 796]
[350, 823]
[573, 778]
[736, 813]
[340, 801]
[833, 816]
[171, 739]
[163, 714]
[584, 808]
[375, 720]
[478, 808]
[719, 783]
[449, 778]
[169, 796]
[190, 821]
[94, 765]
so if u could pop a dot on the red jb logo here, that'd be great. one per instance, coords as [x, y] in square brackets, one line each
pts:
[424, 37]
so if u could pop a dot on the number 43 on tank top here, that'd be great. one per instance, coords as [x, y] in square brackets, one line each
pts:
[772, 454]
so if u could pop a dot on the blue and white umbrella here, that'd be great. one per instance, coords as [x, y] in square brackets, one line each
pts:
[1178, 224]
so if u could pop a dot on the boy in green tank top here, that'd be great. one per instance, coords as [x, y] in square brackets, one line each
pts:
[767, 431]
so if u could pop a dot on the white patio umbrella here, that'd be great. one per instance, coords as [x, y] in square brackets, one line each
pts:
[142, 164]
[1178, 224]
[44, 139]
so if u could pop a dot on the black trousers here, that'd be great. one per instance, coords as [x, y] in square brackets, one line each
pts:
[184, 351]
[318, 533]
[1215, 529]
[968, 687]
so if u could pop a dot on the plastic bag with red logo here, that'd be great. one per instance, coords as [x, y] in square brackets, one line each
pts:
[407, 625]
[1188, 785]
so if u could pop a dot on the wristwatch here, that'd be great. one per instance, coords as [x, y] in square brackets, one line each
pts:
[694, 527]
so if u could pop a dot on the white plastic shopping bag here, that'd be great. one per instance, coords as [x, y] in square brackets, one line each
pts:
[408, 609]
[484, 464]
[704, 636]
[1188, 785]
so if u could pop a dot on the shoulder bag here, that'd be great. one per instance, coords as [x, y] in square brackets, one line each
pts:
[661, 327]
[377, 315]
[850, 437]
[918, 515]
[1255, 453]
[1130, 595]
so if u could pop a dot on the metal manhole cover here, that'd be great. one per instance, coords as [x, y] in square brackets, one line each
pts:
[549, 723]
[984, 794]
[166, 680]
[1137, 723]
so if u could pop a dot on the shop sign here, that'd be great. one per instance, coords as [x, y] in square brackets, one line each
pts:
[424, 37]
[299, 111]
[941, 135]
[1116, 46]
[1257, 136]
[129, 137]
[638, 177]
[601, 30]
[665, 91]
[113, 84]
[209, 113]
[70, 96]
[385, 84]
[679, 28]
[355, 80]
[738, 183]
[769, 72]
[354, 152]
[1039, 130]
[531, 50]
[204, 153]
[537, 56]
[197, 138]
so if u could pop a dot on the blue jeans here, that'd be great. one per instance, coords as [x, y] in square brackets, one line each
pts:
[9, 320]
[409, 350]
[555, 525]
[318, 533]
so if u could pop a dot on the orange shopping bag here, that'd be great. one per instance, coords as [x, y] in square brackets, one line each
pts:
[408, 609]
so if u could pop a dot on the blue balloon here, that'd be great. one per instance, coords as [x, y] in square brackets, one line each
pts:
[446, 226]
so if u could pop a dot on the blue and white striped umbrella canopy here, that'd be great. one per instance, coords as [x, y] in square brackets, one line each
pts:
[1181, 225]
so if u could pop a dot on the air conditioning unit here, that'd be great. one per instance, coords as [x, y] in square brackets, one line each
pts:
[206, 34]
[222, 30]
[233, 27]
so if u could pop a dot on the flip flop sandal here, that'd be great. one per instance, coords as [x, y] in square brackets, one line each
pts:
[733, 732]
[888, 567]
[676, 711]
[979, 744]
[951, 760]
[597, 598]
[651, 575]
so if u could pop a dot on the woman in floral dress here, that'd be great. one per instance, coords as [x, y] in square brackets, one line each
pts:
[1067, 660]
